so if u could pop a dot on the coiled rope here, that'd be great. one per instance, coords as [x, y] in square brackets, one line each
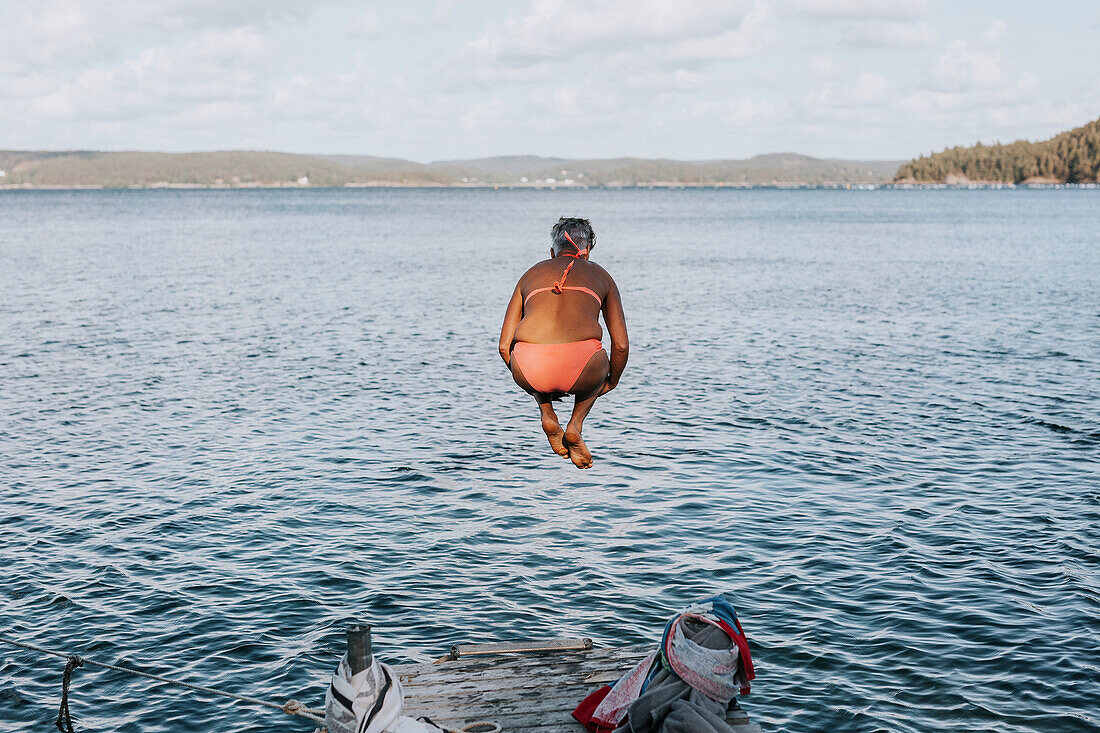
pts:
[64, 720]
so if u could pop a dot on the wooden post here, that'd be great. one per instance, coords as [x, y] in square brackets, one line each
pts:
[359, 647]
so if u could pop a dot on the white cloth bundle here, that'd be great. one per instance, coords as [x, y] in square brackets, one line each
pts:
[369, 702]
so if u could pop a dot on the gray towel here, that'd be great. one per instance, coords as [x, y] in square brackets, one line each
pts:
[670, 705]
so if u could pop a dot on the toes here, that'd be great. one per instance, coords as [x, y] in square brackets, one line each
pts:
[578, 453]
[577, 457]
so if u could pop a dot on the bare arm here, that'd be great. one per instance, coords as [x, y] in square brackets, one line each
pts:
[512, 317]
[615, 320]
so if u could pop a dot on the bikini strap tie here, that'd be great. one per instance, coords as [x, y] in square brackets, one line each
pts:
[561, 283]
[580, 253]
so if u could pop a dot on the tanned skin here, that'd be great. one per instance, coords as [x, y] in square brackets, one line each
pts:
[558, 319]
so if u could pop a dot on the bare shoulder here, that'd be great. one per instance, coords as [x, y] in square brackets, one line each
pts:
[533, 269]
[602, 273]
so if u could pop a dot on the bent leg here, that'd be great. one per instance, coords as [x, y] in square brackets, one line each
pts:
[547, 416]
[578, 450]
[587, 388]
[550, 425]
[517, 376]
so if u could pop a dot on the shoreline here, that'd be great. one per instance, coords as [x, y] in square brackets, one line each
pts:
[669, 185]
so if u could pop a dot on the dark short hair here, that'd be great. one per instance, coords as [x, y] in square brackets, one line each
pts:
[579, 229]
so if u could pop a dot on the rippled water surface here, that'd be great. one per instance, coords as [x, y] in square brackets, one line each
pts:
[233, 421]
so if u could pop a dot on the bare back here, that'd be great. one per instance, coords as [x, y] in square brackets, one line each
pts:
[572, 315]
[537, 314]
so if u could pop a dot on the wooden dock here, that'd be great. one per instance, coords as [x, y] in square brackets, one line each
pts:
[521, 691]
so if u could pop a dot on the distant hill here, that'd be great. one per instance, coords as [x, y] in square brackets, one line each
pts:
[505, 165]
[252, 168]
[1072, 157]
[364, 169]
[83, 168]
[762, 169]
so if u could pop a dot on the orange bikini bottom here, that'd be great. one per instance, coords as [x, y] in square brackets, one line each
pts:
[554, 367]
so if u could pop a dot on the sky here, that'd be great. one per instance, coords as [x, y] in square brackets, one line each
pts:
[442, 79]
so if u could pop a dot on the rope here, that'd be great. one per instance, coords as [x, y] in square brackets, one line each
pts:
[64, 720]
[290, 707]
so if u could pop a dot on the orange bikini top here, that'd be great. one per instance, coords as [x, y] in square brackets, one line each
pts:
[559, 286]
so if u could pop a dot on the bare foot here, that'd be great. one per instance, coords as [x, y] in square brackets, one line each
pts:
[554, 434]
[578, 451]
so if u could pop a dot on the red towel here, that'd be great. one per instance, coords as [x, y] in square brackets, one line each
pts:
[588, 705]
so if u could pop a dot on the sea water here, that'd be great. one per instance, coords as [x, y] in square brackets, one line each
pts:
[233, 421]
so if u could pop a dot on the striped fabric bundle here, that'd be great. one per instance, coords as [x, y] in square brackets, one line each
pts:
[369, 702]
[710, 671]
[703, 658]
[716, 612]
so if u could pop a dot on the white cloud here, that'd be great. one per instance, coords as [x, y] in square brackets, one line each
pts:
[860, 9]
[20, 86]
[603, 48]
[747, 111]
[563, 28]
[978, 65]
[71, 33]
[886, 34]
[35, 36]
[882, 24]
[848, 97]
[972, 86]
[748, 38]
[679, 79]
[210, 67]
[995, 34]
[869, 88]
[181, 15]
[442, 15]
[364, 25]
[824, 65]
[700, 78]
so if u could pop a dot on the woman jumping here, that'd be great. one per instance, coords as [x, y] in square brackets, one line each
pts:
[551, 334]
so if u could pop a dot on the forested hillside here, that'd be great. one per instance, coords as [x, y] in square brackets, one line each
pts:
[1072, 157]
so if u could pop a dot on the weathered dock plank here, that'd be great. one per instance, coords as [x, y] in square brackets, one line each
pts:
[522, 692]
